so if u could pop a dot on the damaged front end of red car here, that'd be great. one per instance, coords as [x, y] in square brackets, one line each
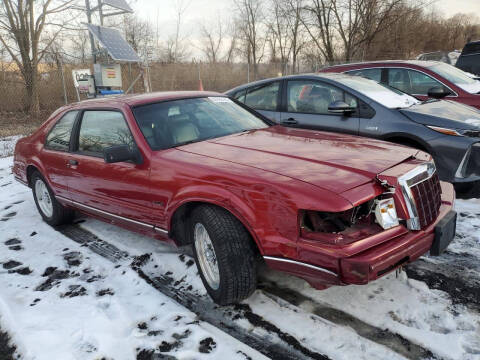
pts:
[402, 214]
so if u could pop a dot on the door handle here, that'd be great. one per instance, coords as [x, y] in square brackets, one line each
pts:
[290, 121]
[72, 162]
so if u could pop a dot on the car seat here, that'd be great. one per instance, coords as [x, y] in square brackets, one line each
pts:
[182, 129]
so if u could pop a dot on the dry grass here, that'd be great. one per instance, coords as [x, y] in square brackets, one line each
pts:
[18, 123]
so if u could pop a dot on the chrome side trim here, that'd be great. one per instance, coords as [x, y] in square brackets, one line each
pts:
[425, 171]
[21, 181]
[301, 264]
[105, 213]
[160, 230]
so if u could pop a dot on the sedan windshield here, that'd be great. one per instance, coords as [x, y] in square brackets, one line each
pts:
[383, 94]
[175, 123]
[457, 76]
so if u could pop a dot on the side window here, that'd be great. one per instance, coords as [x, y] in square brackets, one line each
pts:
[264, 97]
[411, 82]
[101, 129]
[399, 79]
[307, 96]
[240, 96]
[373, 74]
[421, 82]
[59, 137]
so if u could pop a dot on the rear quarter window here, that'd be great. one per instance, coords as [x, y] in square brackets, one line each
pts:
[59, 137]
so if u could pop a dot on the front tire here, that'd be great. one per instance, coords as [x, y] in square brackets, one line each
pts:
[225, 254]
[52, 212]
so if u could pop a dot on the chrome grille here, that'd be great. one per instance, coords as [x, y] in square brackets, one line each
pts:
[422, 192]
[427, 196]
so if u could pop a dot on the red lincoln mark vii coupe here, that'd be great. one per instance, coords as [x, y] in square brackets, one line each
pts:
[196, 168]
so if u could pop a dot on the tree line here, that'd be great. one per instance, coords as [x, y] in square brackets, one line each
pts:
[297, 34]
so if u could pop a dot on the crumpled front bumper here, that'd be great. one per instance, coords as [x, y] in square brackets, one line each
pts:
[368, 259]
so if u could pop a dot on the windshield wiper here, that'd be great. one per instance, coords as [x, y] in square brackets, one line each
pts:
[187, 142]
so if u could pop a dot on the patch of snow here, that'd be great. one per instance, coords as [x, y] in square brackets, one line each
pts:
[94, 308]
[7, 145]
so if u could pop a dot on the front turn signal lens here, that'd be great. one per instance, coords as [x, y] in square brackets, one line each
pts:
[386, 214]
[445, 131]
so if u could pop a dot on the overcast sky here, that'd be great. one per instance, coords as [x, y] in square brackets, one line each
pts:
[208, 10]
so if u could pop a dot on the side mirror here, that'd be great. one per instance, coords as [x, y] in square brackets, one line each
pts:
[438, 92]
[340, 107]
[121, 153]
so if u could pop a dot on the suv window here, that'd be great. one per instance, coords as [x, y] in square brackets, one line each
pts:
[314, 97]
[411, 82]
[471, 48]
[372, 74]
[240, 96]
[59, 137]
[101, 129]
[263, 97]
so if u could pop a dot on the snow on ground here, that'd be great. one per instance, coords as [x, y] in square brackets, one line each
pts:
[7, 145]
[59, 300]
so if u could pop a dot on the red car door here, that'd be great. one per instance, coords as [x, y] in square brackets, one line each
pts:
[118, 190]
[55, 154]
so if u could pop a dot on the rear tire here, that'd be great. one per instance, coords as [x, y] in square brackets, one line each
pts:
[52, 212]
[225, 254]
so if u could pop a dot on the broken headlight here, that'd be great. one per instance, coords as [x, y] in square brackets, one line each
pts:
[385, 213]
[349, 226]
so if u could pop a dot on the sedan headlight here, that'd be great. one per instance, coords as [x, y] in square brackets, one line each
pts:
[455, 132]
[385, 213]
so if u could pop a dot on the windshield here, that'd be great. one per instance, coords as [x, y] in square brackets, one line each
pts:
[457, 76]
[175, 123]
[382, 94]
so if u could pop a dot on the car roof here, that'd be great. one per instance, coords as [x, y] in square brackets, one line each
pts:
[147, 98]
[331, 76]
[420, 63]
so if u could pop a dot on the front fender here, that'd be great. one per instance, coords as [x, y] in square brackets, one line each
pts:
[271, 220]
[222, 197]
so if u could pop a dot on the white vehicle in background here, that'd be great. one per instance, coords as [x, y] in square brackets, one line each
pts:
[443, 56]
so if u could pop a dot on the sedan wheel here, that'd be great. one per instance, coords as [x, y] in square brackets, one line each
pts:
[206, 256]
[53, 213]
[225, 254]
[44, 200]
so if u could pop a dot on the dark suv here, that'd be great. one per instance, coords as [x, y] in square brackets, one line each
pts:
[469, 59]
[336, 102]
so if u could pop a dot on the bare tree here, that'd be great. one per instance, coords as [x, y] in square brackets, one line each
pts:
[278, 33]
[232, 47]
[139, 34]
[293, 13]
[250, 25]
[318, 21]
[81, 46]
[181, 7]
[21, 32]
[212, 41]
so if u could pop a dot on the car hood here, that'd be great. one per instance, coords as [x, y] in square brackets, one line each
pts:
[331, 161]
[449, 114]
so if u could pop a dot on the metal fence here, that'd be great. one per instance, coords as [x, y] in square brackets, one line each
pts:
[56, 84]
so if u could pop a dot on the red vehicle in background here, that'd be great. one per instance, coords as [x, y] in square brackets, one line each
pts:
[198, 169]
[422, 79]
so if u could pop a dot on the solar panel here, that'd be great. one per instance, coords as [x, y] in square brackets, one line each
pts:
[115, 44]
[118, 4]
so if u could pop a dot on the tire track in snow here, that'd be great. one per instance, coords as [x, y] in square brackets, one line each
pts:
[391, 340]
[287, 348]
[223, 318]
[457, 274]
